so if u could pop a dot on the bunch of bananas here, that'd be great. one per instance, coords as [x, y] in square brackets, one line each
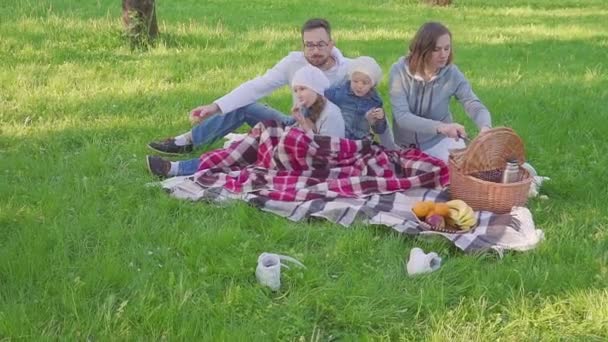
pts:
[461, 215]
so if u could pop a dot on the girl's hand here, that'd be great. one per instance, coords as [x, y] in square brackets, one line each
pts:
[295, 112]
[375, 114]
[483, 129]
[378, 113]
[303, 122]
[452, 130]
[307, 125]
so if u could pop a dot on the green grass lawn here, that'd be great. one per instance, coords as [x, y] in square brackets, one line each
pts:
[88, 252]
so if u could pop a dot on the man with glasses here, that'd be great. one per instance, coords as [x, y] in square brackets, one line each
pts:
[224, 115]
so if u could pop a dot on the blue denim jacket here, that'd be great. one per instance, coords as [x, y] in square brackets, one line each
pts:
[354, 108]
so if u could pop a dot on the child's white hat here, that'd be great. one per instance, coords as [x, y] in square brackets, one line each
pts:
[366, 65]
[311, 77]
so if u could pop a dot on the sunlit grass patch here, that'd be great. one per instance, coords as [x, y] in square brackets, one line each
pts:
[90, 252]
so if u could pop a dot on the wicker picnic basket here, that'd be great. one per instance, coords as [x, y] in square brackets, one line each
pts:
[476, 172]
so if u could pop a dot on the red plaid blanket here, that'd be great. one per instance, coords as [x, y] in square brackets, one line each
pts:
[288, 164]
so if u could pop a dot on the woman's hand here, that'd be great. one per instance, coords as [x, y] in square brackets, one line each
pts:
[483, 129]
[452, 130]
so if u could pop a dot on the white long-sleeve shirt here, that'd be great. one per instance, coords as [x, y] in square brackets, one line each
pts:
[280, 75]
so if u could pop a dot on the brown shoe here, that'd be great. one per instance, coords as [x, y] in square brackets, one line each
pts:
[158, 166]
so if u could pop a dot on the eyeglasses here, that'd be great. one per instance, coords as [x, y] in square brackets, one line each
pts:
[320, 45]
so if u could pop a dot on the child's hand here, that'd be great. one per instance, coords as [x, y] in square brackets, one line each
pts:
[295, 112]
[303, 122]
[375, 114]
[378, 113]
[307, 125]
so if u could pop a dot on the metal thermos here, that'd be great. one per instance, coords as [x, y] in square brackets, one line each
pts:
[511, 172]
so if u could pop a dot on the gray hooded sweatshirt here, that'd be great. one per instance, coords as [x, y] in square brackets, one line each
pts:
[419, 106]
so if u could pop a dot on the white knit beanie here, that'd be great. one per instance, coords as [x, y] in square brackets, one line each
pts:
[311, 77]
[366, 65]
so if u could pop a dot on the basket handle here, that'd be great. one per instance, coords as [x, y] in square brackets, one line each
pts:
[491, 149]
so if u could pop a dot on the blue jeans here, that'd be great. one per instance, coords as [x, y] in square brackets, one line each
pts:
[187, 167]
[219, 125]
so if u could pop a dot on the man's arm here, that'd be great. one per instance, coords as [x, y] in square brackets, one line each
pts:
[252, 90]
[261, 86]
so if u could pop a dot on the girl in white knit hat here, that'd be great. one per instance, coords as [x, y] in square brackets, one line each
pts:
[360, 102]
[314, 111]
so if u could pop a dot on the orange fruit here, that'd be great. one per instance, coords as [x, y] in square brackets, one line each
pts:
[442, 209]
[422, 208]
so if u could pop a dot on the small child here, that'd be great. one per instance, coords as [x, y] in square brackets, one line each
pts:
[313, 112]
[359, 100]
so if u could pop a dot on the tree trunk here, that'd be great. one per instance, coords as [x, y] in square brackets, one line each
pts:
[139, 19]
[438, 2]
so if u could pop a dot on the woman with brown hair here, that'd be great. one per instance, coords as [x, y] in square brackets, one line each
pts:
[421, 85]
